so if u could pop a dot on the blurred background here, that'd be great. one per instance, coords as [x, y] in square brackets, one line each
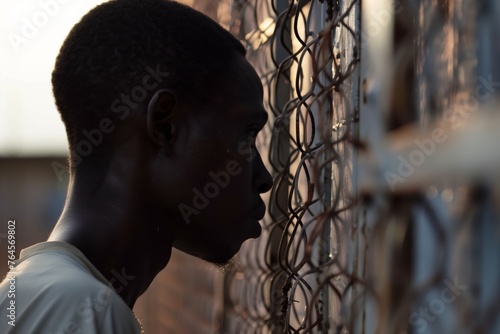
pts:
[33, 159]
[383, 144]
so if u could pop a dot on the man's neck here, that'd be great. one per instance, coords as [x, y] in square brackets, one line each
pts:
[119, 236]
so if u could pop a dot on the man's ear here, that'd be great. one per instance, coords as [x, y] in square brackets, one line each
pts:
[160, 113]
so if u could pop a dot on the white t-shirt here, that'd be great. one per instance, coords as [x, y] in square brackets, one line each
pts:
[54, 289]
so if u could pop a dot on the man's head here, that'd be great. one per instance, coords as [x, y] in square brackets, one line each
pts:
[173, 88]
[122, 51]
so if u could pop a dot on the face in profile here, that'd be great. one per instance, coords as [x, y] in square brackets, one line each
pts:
[214, 189]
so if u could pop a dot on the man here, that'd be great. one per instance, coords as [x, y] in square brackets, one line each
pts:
[161, 111]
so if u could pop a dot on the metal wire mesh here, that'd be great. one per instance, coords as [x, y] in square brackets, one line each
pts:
[306, 53]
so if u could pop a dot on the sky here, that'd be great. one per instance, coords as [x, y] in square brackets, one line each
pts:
[31, 33]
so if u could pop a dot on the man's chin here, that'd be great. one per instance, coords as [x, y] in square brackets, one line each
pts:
[225, 267]
[222, 256]
[225, 260]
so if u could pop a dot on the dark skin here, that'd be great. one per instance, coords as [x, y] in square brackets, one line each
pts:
[127, 219]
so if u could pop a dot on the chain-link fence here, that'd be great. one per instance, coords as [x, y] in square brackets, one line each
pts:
[295, 277]
[382, 142]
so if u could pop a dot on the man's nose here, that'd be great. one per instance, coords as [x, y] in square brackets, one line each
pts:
[263, 180]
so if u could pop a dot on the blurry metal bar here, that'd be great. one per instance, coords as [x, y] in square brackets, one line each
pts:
[376, 67]
[488, 54]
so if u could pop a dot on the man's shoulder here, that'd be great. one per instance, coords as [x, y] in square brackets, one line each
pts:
[58, 291]
[57, 273]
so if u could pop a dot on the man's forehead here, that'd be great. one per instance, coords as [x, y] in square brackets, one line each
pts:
[240, 93]
[243, 72]
[246, 84]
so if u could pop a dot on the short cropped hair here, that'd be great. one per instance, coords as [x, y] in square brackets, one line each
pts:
[128, 47]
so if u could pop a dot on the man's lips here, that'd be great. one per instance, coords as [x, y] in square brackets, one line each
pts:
[259, 213]
[255, 228]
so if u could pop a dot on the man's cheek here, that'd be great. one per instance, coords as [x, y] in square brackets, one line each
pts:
[234, 167]
[245, 150]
